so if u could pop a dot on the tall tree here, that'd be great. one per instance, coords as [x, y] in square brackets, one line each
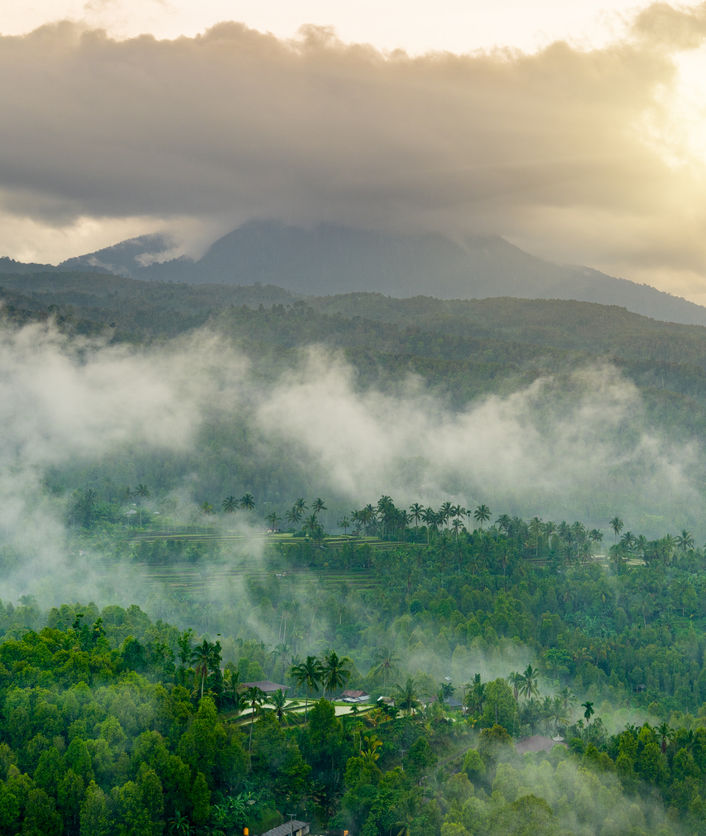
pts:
[205, 657]
[335, 671]
[278, 700]
[247, 501]
[309, 674]
[415, 513]
[685, 541]
[481, 514]
[528, 687]
[516, 679]
[386, 662]
[475, 695]
[406, 697]
[254, 697]
[617, 525]
[230, 504]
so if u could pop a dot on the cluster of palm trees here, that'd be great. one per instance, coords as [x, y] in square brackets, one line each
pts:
[311, 524]
[330, 673]
[385, 520]
[524, 684]
[641, 548]
[246, 502]
[532, 708]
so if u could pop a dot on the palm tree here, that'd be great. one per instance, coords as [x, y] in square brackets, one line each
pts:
[685, 541]
[431, 518]
[528, 687]
[481, 514]
[558, 712]
[180, 825]
[387, 661]
[231, 688]
[345, 524]
[254, 697]
[204, 658]
[627, 541]
[312, 527]
[475, 695]
[516, 679]
[445, 512]
[335, 672]
[504, 521]
[317, 506]
[589, 711]
[595, 536]
[617, 525]
[300, 505]
[369, 751]
[141, 492]
[566, 697]
[247, 501]
[415, 513]
[293, 515]
[308, 673]
[368, 517]
[273, 519]
[407, 696]
[230, 504]
[278, 701]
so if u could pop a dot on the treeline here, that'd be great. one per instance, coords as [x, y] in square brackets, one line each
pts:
[137, 738]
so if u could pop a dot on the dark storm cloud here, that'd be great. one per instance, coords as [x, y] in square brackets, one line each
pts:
[563, 145]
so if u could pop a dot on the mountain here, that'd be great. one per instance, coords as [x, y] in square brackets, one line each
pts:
[126, 259]
[328, 259]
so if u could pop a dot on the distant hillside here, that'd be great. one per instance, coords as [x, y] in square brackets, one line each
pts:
[10, 266]
[332, 260]
[133, 310]
[467, 348]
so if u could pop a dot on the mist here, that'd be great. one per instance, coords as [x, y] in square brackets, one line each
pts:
[196, 420]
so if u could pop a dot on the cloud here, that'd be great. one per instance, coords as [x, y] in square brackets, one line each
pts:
[562, 150]
[193, 417]
[562, 447]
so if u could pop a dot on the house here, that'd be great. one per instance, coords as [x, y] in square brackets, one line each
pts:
[265, 686]
[353, 696]
[289, 828]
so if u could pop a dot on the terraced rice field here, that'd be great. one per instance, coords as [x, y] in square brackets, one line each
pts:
[194, 578]
[245, 565]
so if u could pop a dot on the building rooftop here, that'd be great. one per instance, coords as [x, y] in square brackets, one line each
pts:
[287, 828]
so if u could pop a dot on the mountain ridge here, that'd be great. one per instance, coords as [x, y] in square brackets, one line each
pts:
[329, 260]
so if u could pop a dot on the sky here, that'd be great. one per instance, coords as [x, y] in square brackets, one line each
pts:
[577, 131]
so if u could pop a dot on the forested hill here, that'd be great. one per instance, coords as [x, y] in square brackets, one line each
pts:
[334, 259]
[337, 259]
[467, 347]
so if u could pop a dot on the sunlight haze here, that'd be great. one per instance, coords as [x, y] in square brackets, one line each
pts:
[576, 131]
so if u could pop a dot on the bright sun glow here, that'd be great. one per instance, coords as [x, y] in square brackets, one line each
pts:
[688, 105]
